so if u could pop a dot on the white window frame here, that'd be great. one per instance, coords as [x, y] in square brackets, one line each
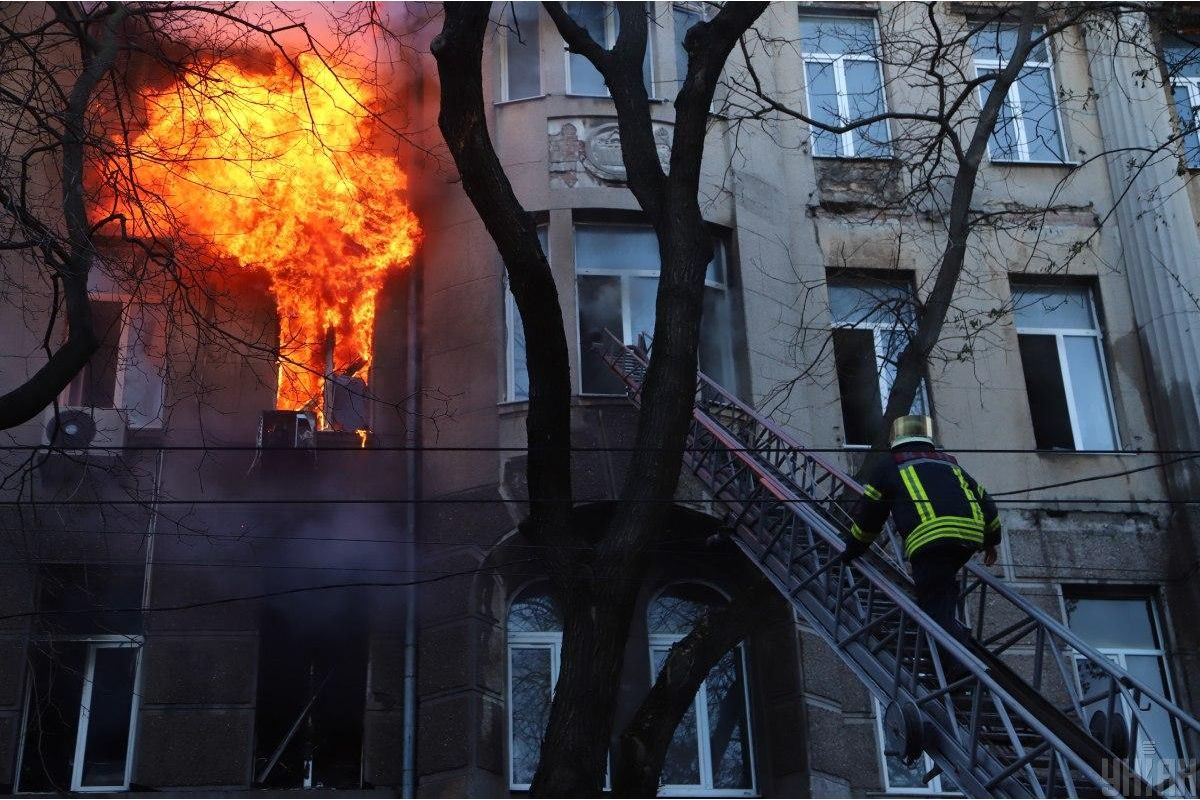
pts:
[511, 319]
[502, 54]
[879, 340]
[838, 60]
[610, 38]
[71, 395]
[627, 335]
[662, 643]
[1060, 335]
[1192, 85]
[528, 640]
[934, 787]
[1012, 101]
[94, 643]
[1118, 655]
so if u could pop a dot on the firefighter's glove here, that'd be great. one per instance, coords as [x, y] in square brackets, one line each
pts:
[854, 549]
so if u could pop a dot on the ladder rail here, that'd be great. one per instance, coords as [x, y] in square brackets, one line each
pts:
[735, 428]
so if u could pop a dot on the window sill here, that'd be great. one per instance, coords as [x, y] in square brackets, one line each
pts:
[867, 159]
[1125, 453]
[1016, 162]
[517, 100]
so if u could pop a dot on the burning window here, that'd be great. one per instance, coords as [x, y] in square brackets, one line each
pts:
[872, 320]
[81, 705]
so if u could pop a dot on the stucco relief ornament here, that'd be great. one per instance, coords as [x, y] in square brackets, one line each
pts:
[565, 153]
[602, 152]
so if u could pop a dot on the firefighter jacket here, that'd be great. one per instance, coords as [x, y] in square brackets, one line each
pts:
[932, 500]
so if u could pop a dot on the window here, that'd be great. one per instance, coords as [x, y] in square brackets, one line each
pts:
[519, 56]
[711, 752]
[127, 371]
[1028, 127]
[534, 650]
[517, 368]
[872, 322]
[81, 696]
[684, 16]
[603, 24]
[900, 779]
[617, 268]
[1183, 64]
[844, 82]
[1126, 630]
[1063, 358]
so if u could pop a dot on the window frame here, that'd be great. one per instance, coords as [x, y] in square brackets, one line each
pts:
[837, 60]
[663, 642]
[503, 94]
[879, 344]
[1060, 334]
[1012, 102]
[94, 643]
[610, 39]
[525, 640]
[1192, 85]
[511, 320]
[934, 787]
[1118, 654]
[621, 275]
[72, 394]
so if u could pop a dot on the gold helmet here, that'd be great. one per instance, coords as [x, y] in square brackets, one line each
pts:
[912, 428]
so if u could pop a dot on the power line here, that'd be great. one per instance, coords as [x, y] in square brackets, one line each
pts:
[850, 450]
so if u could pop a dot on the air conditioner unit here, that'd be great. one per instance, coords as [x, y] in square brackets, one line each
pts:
[82, 431]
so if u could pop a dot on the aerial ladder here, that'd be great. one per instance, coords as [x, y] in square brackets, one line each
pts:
[1028, 710]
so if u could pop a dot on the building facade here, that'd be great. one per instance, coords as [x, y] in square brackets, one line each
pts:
[191, 612]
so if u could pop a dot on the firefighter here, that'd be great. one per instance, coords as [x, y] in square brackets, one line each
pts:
[942, 513]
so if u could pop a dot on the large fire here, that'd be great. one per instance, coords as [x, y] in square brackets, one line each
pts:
[279, 172]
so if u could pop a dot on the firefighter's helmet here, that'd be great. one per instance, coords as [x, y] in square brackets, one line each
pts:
[912, 428]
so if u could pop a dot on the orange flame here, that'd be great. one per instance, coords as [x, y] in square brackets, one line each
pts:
[277, 171]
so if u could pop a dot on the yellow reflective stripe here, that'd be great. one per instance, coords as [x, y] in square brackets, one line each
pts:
[943, 527]
[871, 493]
[976, 511]
[917, 493]
[861, 535]
[994, 525]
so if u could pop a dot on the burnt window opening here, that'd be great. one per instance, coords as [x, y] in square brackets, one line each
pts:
[81, 703]
[312, 683]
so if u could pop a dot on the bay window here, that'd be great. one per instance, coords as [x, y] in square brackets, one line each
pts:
[1028, 127]
[843, 83]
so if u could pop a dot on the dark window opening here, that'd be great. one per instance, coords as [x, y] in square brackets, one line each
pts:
[96, 385]
[858, 382]
[312, 683]
[1047, 395]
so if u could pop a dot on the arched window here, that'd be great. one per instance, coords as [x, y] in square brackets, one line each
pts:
[534, 649]
[711, 752]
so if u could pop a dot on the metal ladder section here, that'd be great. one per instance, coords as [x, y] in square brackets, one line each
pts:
[1007, 720]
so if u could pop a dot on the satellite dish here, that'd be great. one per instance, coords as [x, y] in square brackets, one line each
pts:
[71, 429]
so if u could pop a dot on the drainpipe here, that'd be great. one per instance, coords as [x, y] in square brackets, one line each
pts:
[412, 440]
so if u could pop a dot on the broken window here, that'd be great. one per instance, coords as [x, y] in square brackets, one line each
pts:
[1183, 65]
[517, 371]
[518, 52]
[843, 83]
[81, 704]
[711, 751]
[312, 687]
[1028, 128]
[617, 268]
[872, 320]
[127, 371]
[1063, 359]
[603, 24]
[1126, 629]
